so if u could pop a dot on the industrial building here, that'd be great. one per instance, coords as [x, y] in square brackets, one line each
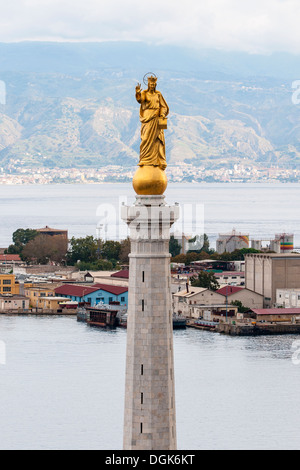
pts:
[229, 242]
[267, 272]
[288, 298]
[282, 243]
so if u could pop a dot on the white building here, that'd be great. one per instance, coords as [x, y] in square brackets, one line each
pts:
[288, 298]
[13, 302]
[213, 312]
[229, 242]
[183, 301]
[231, 278]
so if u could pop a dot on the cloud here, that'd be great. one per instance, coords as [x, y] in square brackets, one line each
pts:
[248, 25]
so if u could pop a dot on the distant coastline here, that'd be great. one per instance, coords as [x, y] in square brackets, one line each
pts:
[177, 173]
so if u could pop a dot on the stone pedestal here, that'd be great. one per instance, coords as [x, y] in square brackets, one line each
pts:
[150, 420]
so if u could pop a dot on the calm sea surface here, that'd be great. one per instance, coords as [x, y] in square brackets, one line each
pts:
[261, 210]
[62, 386]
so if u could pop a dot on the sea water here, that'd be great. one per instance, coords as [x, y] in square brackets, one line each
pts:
[62, 387]
[62, 382]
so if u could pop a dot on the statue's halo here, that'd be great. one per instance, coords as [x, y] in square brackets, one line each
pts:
[146, 76]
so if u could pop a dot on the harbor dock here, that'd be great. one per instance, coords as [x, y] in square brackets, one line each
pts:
[258, 329]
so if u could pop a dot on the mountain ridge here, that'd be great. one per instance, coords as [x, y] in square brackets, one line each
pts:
[74, 106]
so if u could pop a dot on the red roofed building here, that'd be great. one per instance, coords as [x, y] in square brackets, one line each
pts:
[123, 274]
[95, 294]
[74, 290]
[116, 290]
[10, 258]
[229, 290]
[276, 314]
[247, 297]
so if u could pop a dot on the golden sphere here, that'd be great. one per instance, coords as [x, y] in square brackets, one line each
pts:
[149, 180]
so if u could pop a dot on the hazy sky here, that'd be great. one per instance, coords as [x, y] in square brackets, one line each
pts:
[248, 25]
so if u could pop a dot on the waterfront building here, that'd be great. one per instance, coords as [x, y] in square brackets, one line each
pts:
[278, 315]
[8, 284]
[37, 292]
[288, 298]
[219, 312]
[53, 303]
[267, 272]
[184, 300]
[13, 302]
[247, 297]
[94, 295]
[111, 293]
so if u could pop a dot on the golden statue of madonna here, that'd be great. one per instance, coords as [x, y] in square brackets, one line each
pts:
[150, 177]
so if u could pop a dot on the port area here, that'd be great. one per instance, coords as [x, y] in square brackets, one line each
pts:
[39, 312]
[259, 329]
[236, 328]
[202, 324]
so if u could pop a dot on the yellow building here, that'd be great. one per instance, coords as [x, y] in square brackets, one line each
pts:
[35, 293]
[51, 303]
[8, 284]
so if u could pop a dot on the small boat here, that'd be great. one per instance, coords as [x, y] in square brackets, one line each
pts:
[204, 324]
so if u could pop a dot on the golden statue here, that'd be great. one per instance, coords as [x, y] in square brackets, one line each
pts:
[150, 178]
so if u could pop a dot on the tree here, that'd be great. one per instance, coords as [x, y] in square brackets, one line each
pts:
[179, 259]
[20, 238]
[174, 246]
[111, 250]
[23, 236]
[207, 280]
[236, 255]
[193, 256]
[99, 265]
[190, 256]
[242, 308]
[44, 249]
[82, 249]
[124, 251]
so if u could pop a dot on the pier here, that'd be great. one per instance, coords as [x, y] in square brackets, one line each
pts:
[258, 329]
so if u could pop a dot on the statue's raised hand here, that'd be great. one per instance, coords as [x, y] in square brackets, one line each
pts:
[138, 88]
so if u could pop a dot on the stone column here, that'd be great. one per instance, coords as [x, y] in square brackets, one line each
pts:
[150, 420]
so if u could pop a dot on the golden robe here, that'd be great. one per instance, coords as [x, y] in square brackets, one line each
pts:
[152, 149]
